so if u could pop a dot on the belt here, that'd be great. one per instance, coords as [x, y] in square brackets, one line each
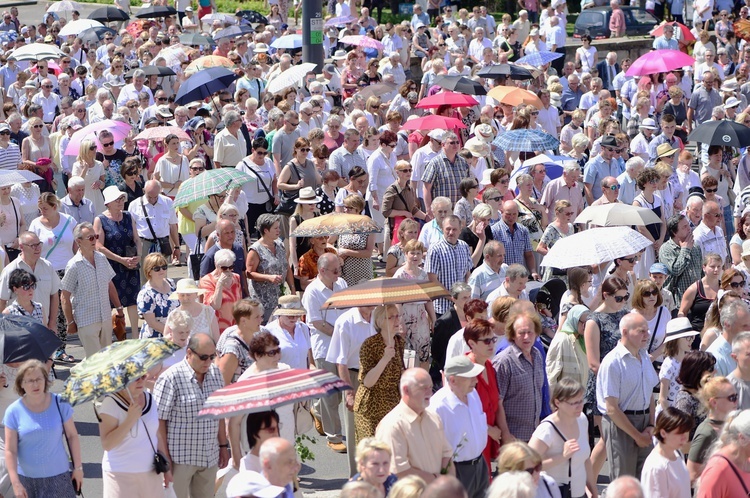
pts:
[636, 412]
[471, 462]
[354, 370]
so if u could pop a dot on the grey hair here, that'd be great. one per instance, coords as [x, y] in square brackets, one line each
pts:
[634, 162]
[265, 222]
[275, 114]
[231, 117]
[359, 489]
[139, 73]
[481, 211]
[625, 486]
[449, 136]
[491, 248]
[570, 166]
[76, 181]
[80, 228]
[224, 257]
[521, 179]
[180, 319]
[729, 313]
[440, 201]
[718, 111]
[739, 341]
[515, 271]
[458, 288]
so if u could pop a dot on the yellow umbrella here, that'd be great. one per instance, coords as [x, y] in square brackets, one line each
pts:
[207, 62]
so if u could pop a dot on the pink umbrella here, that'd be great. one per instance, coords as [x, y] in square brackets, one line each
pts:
[54, 68]
[119, 131]
[659, 61]
[362, 41]
[447, 98]
[432, 122]
[161, 132]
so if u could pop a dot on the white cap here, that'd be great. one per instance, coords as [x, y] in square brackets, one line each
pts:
[649, 124]
[437, 134]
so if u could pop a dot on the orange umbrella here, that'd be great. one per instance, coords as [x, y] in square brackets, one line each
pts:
[742, 29]
[514, 96]
[382, 291]
[207, 62]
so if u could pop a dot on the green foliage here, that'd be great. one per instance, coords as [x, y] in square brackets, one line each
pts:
[303, 451]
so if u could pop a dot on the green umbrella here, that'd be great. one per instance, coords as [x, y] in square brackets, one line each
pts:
[114, 367]
[211, 182]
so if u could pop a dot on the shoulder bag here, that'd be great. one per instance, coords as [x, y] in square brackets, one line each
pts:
[287, 197]
[737, 473]
[58, 237]
[195, 260]
[77, 486]
[11, 251]
[162, 244]
[564, 488]
[161, 465]
[269, 202]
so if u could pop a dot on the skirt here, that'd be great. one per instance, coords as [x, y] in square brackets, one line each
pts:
[59, 486]
[127, 484]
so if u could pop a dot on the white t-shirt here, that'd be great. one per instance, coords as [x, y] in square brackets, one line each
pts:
[666, 478]
[63, 251]
[254, 191]
[172, 173]
[547, 434]
[134, 453]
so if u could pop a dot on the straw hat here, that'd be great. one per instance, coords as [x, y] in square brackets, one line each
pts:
[484, 133]
[477, 147]
[186, 286]
[307, 196]
[290, 306]
[678, 328]
[666, 149]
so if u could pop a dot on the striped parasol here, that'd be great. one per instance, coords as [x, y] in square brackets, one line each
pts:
[270, 389]
[381, 291]
[336, 224]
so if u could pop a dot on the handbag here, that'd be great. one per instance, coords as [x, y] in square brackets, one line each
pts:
[161, 465]
[269, 202]
[195, 260]
[13, 252]
[287, 197]
[118, 327]
[564, 488]
[79, 488]
[303, 420]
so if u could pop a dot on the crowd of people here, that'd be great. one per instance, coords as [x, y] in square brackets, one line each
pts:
[523, 382]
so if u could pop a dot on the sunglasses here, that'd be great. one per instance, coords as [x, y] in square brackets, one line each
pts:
[28, 287]
[4, 132]
[614, 188]
[535, 468]
[261, 152]
[405, 170]
[712, 190]
[93, 147]
[203, 357]
[488, 340]
[629, 260]
[160, 268]
[38, 126]
[737, 285]
[732, 398]
[496, 199]
[226, 268]
[650, 293]
[619, 299]
[91, 238]
[272, 352]
[164, 99]
[200, 168]
[305, 149]
[133, 106]
[108, 144]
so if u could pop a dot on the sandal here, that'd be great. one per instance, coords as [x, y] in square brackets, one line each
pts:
[64, 357]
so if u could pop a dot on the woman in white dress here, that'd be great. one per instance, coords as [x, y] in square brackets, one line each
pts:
[92, 172]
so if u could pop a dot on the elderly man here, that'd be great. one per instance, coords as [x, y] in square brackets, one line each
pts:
[477, 45]
[349, 332]
[458, 405]
[283, 141]
[740, 376]
[432, 232]
[87, 291]
[566, 187]
[627, 180]
[608, 69]
[602, 165]
[624, 394]
[734, 319]
[196, 447]
[513, 285]
[515, 238]
[708, 235]
[705, 97]
[626, 487]
[42, 74]
[226, 231]
[443, 174]
[694, 210]
[132, 91]
[571, 97]
[346, 157]
[49, 101]
[415, 432]
[322, 324]
[610, 188]
[682, 258]
[279, 465]
[666, 40]
[491, 273]
[156, 222]
[394, 67]
[448, 260]
[230, 146]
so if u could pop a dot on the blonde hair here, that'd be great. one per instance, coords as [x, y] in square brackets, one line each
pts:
[408, 487]
[380, 315]
[84, 151]
[513, 456]
[367, 446]
[152, 260]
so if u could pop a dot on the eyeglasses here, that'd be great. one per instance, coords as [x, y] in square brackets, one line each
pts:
[223, 101]
[270, 353]
[160, 268]
[489, 340]
[108, 144]
[133, 106]
[91, 238]
[38, 126]
[535, 468]
[226, 268]
[712, 190]
[203, 357]
[737, 285]
[614, 188]
[732, 398]
[197, 168]
[650, 293]
[619, 299]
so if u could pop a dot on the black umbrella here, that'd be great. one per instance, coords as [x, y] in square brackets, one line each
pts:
[252, 16]
[203, 84]
[109, 14]
[96, 34]
[22, 338]
[156, 11]
[196, 39]
[721, 133]
[151, 71]
[511, 71]
[234, 32]
[460, 84]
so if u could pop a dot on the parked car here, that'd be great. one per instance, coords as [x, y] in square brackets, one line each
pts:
[595, 22]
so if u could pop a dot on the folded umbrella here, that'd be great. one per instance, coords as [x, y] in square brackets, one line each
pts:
[526, 140]
[203, 84]
[211, 182]
[382, 291]
[659, 61]
[617, 214]
[723, 133]
[23, 338]
[334, 224]
[460, 84]
[595, 246]
[290, 77]
[433, 122]
[452, 99]
[108, 14]
[155, 11]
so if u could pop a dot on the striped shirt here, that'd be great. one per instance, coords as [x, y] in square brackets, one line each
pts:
[10, 157]
[629, 379]
[446, 176]
[451, 263]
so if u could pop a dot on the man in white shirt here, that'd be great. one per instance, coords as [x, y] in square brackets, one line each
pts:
[131, 91]
[708, 235]
[50, 102]
[394, 67]
[549, 117]
[478, 44]
[155, 220]
[421, 158]
[491, 273]
[229, 145]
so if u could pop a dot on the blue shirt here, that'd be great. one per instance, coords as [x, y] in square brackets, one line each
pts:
[208, 265]
[662, 43]
[516, 243]
[596, 170]
[546, 410]
[40, 438]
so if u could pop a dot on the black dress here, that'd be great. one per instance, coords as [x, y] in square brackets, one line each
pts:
[118, 238]
[445, 327]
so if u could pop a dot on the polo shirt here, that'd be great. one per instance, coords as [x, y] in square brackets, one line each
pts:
[596, 170]
[228, 149]
[484, 280]
[464, 424]
[162, 215]
[82, 212]
[628, 378]
[450, 263]
[10, 157]
[628, 188]
[445, 176]
[315, 295]
[349, 332]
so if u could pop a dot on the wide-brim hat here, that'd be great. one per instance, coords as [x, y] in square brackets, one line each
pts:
[477, 147]
[290, 306]
[112, 193]
[339, 55]
[745, 248]
[678, 328]
[260, 48]
[307, 196]
[665, 150]
[185, 286]
[484, 133]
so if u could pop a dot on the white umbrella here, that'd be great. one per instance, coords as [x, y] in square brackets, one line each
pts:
[617, 214]
[74, 28]
[64, 6]
[216, 16]
[547, 159]
[12, 177]
[290, 77]
[290, 42]
[37, 52]
[595, 246]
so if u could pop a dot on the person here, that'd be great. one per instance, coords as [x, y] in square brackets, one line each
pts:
[443, 174]
[154, 299]
[279, 464]
[127, 463]
[87, 291]
[118, 240]
[230, 146]
[222, 288]
[515, 238]
[232, 348]
[446, 326]
[560, 228]
[263, 194]
[259, 426]
[448, 260]
[519, 456]
[267, 266]
[647, 183]
[36, 153]
[708, 235]
[734, 319]
[206, 217]
[647, 302]
[566, 356]
[298, 173]
[561, 440]
[75, 204]
[196, 447]
[293, 334]
[460, 409]
[677, 341]
[171, 169]
[356, 249]
[664, 472]
[132, 182]
[177, 328]
[156, 223]
[308, 262]
[681, 256]
[204, 318]
[490, 274]
[92, 172]
[226, 229]
[399, 202]
[414, 432]
[23, 284]
[374, 462]
[726, 474]
[739, 376]
[13, 222]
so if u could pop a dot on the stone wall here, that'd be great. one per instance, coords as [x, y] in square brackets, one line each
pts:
[625, 47]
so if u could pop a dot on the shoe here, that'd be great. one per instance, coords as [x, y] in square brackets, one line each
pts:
[337, 447]
[319, 425]
[176, 262]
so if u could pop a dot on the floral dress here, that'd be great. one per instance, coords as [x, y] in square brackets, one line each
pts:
[269, 264]
[230, 342]
[414, 322]
[355, 270]
[118, 238]
[151, 300]
[18, 310]
[609, 327]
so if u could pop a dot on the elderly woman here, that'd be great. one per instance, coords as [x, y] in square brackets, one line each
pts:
[128, 461]
[117, 238]
[374, 462]
[233, 349]
[222, 288]
[566, 357]
[518, 456]
[381, 363]
[561, 227]
[356, 249]
[293, 334]
[34, 428]
[203, 316]
[154, 299]
[36, 154]
[726, 474]
[531, 214]
[178, 328]
[92, 172]
[267, 266]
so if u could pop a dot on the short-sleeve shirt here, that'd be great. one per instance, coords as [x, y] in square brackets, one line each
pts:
[89, 289]
[151, 300]
[230, 342]
[134, 453]
[294, 350]
[516, 243]
[47, 282]
[445, 176]
[451, 263]
[628, 378]
[546, 433]
[315, 295]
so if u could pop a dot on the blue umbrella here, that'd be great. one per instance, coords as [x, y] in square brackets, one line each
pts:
[526, 140]
[538, 59]
[8, 36]
[288, 42]
[203, 84]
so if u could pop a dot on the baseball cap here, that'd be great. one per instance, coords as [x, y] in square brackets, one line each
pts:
[4, 127]
[659, 268]
[462, 366]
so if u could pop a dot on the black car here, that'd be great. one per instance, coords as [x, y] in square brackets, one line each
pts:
[595, 22]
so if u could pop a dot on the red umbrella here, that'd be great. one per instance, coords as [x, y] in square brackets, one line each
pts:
[685, 35]
[447, 98]
[433, 122]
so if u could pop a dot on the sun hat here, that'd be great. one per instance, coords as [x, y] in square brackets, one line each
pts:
[462, 366]
[437, 134]
[112, 193]
[260, 48]
[185, 286]
[164, 111]
[665, 150]
[678, 328]
[649, 124]
[477, 147]
[484, 133]
[252, 484]
[307, 196]
[731, 102]
[555, 99]
[339, 55]
[290, 306]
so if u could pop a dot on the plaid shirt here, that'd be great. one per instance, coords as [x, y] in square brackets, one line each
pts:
[516, 243]
[445, 176]
[685, 267]
[520, 385]
[451, 263]
[179, 396]
[89, 289]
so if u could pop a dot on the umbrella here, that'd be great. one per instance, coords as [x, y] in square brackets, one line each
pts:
[742, 29]
[547, 159]
[114, 368]
[211, 182]
[270, 389]
[119, 131]
[51, 65]
[96, 34]
[290, 77]
[174, 55]
[333, 224]
[382, 291]
[161, 132]
[552, 171]
[151, 71]
[683, 32]
[233, 32]
[196, 39]
[339, 21]
[514, 96]
[539, 59]
[617, 214]
[288, 42]
[512, 71]
[721, 133]
[23, 338]
[208, 61]
[74, 28]
[8, 36]
[659, 61]
[526, 140]
[155, 11]
[37, 52]
[204, 84]
[252, 16]
[452, 99]
[460, 84]
[12, 177]
[138, 26]
[362, 41]
[377, 90]
[595, 246]
[64, 6]
[109, 14]
[224, 18]
[433, 122]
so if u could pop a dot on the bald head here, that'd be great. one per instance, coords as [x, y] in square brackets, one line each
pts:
[445, 487]
[625, 487]
[278, 461]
